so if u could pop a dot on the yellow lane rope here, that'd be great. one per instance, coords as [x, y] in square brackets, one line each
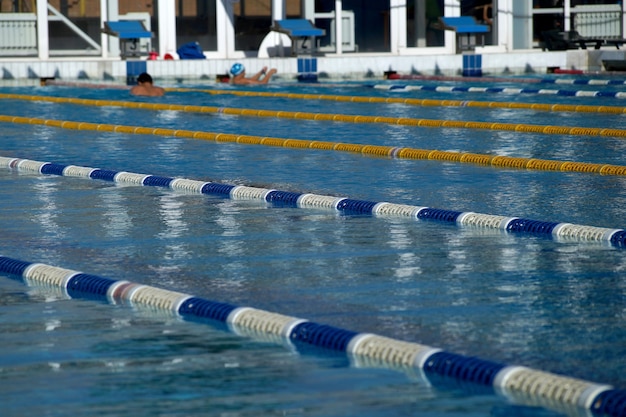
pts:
[417, 102]
[370, 150]
[458, 124]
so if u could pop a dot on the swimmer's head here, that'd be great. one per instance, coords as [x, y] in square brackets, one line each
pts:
[144, 77]
[237, 69]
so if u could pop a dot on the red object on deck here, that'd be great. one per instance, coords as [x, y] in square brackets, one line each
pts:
[567, 71]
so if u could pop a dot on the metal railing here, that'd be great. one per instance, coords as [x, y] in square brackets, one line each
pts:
[18, 34]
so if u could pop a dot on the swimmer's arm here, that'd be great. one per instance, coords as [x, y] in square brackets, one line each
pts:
[258, 75]
[268, 76]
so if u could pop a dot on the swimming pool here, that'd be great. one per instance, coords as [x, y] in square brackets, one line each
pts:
[520, 299]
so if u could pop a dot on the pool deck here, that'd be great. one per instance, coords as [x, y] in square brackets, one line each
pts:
[332, 67]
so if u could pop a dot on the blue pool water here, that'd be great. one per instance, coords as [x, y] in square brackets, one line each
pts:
[515, 299]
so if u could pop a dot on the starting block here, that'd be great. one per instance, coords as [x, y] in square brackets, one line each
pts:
[468, 32]
[299, 31]
[129, 32]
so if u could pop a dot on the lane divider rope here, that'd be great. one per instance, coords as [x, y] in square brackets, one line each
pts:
[415, 101]
[492, 79]
[346, 118]
[396, 77]
[503, 90]
[387, 100]
[518, 384]
[505, 162]
[558, 231]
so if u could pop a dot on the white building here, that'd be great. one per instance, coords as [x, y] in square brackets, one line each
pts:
[63, 39]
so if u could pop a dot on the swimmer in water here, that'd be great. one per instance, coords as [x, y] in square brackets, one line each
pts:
[145, 87]
[239, 75]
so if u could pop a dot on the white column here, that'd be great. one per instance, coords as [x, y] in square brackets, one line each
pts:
[114, 15]
[567, 25]
[109, 10]
[397, 25]
[419, 17]
[522, 29]
[308, 9]
[503, 23]
[104, 38]
[43, 44]
[167, 27]
[278, 10]
[339, 27]
[225, 28]
[452, 9]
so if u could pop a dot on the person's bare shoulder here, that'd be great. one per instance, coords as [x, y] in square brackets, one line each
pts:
[137, 90]
[158, 91]
[140, 90]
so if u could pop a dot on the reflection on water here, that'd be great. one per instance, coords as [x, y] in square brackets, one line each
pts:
[45, 192]
[407, 266]
[117, 221]
[230, 247]
[176, 251]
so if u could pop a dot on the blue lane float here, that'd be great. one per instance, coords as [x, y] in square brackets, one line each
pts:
[582, 81]
[501, 90]
[556, 230]
[518, 384]
[392, 75]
